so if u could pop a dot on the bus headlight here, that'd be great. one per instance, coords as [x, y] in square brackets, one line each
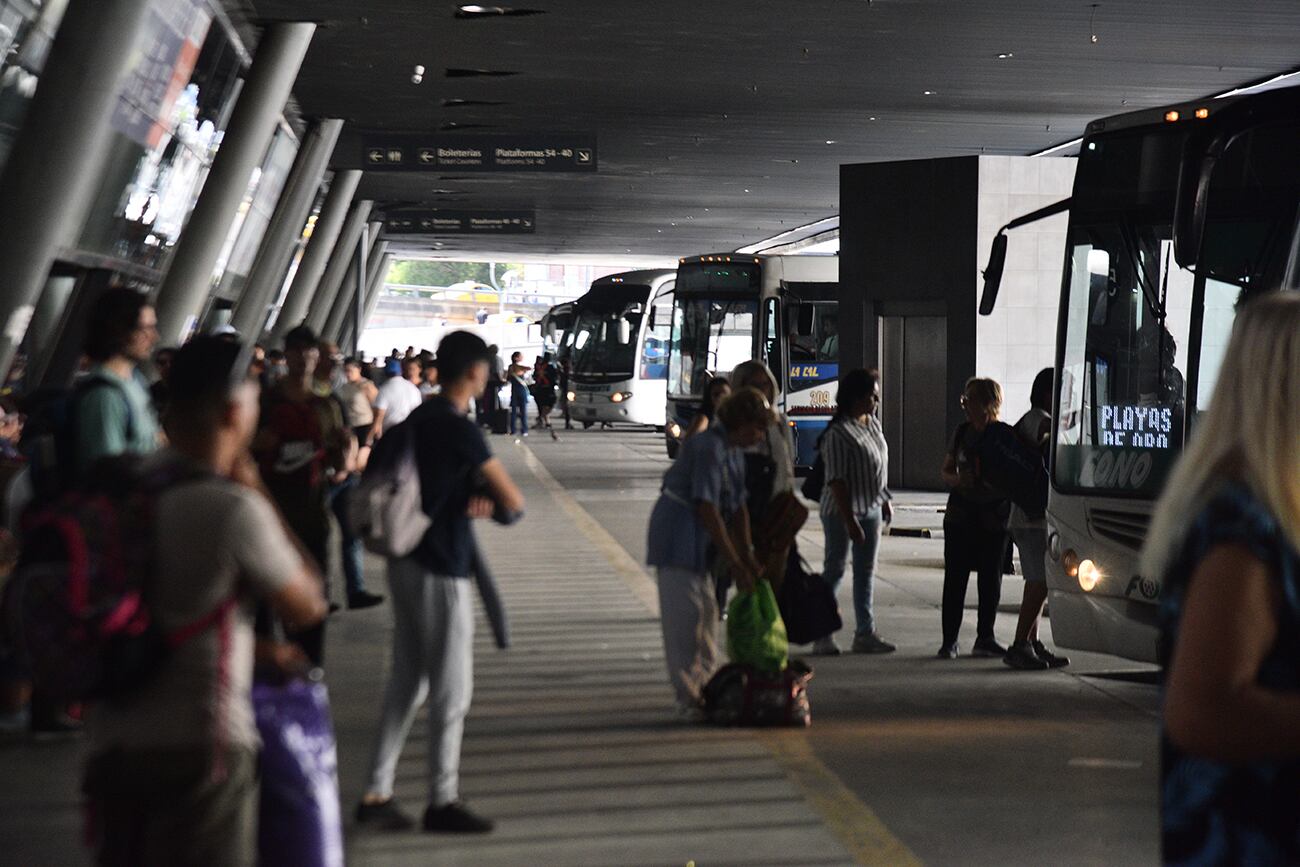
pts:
[571, 397]
[620, 396]
[1089, 576]
[674, 430]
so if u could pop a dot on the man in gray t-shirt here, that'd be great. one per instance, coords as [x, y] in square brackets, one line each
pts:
[171, 774]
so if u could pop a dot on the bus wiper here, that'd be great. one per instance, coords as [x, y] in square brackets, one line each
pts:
[1154, 302]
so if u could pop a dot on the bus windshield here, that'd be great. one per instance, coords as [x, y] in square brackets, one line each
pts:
[1135, 320]
[605, 341]
[709, 336]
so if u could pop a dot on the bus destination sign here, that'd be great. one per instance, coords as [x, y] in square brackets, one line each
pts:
[1138, 427]
[415, 152]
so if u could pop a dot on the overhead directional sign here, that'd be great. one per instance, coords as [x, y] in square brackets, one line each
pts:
[460, 222]
[543, 152]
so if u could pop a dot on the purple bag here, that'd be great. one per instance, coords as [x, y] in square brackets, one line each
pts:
[299, 819]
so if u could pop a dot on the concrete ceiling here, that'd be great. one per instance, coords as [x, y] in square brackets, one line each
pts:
[720, 122]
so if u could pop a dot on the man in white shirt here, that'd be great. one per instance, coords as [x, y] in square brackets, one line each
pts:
[397, 398]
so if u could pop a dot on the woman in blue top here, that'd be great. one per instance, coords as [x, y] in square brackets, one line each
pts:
[701, 513]
[1223, 543]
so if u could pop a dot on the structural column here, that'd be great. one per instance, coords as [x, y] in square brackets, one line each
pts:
[353, 306]
[322, 304]
[347, 298]
[373, 292]
[324, 237]
[267, 275]
[189, 280]
[49, 179]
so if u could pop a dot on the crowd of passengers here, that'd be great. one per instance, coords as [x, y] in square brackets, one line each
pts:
[267, 453]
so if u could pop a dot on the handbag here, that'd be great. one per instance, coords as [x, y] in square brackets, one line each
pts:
[299, 820]
[807, 603]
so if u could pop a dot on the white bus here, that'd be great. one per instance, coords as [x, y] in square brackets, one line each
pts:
[1178, 216]
[619, 347]
[781, 310]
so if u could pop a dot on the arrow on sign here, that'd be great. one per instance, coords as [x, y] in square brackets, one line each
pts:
[375, 156]
[584, 157]
[428, 155]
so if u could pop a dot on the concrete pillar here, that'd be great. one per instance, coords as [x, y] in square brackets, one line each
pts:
[282, 233]
[329, 223]
[49, 179]
[363, 261]
[188, 282]
[322, 304]
[354, 314]
[373, 291]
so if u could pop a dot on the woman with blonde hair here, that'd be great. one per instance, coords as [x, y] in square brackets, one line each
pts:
[700, 516]
[974, 525]
[1223, 543]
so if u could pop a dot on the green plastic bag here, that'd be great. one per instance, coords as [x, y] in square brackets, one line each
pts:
[755, 631]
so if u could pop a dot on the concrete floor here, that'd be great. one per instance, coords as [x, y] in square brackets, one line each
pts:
[571, 745]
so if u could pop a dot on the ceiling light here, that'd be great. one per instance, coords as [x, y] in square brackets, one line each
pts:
[871, 118]
[417, 75]
[458, 72]
[1005, 56]
[830, 141]
[475, 11]
[467, 103]
[928, 92]
[746, 190]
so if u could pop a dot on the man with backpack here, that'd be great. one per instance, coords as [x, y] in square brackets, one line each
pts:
[172, 771]
[112, 411]
[433, 637]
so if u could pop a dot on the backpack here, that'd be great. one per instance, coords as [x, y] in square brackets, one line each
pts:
[1014, 469]
[386, 508]
[808, 605]
[77, 609]
[49, 440]
[740, 695]
[815, 482]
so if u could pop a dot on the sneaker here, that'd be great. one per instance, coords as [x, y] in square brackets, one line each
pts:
[363, 599]
[987, 648]
[1052, 660]
[872, 643]
[384, 816]
[825, 647]
[455, 818]
[948, 651]
[1021, 656]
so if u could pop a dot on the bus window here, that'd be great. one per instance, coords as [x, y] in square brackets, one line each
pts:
[658, 333]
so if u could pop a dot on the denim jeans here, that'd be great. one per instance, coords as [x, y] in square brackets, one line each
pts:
[353, 554]
[864, 563]
[520, 413]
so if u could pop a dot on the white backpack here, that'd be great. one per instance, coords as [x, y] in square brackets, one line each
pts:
[385, 509]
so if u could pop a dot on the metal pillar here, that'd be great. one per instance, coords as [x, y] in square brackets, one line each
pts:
[373, 291]
[322, 304]
[188, 282]
[354, 318]
[324, 237]
[267, 275]
[49, 179]
[365, 257]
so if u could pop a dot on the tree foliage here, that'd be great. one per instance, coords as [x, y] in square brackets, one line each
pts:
[419, 272]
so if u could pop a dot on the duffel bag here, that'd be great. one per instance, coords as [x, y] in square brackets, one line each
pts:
[740, 695]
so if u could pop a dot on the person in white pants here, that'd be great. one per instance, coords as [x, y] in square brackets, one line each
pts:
[433, 614]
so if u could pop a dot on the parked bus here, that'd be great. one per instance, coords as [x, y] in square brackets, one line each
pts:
[619, 346]
[780, 310]
[1178, 216]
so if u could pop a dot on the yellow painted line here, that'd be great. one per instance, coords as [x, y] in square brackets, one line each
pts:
[853, 823]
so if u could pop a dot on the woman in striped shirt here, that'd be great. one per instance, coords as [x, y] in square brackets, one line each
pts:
[855, 501]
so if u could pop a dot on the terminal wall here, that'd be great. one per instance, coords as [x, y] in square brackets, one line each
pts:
[914, 237]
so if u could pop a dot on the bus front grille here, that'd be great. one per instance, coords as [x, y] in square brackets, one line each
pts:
[1127, 528]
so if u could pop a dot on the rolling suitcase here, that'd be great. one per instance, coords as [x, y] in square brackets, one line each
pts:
[500, 420]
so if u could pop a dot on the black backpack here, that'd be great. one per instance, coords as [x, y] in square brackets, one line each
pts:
[1014, 469]
[49, 440]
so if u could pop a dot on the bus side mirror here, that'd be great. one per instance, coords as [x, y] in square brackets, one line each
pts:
[993, 274]
[624, 331]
